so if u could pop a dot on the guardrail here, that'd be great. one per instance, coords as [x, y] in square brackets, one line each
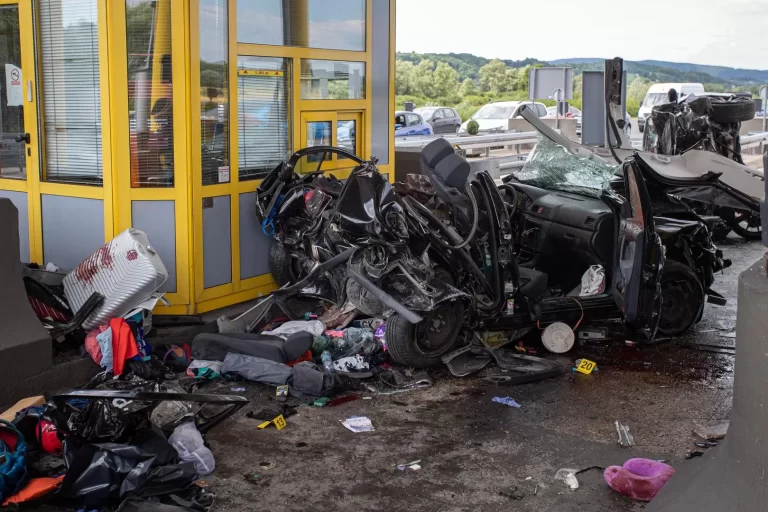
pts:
[754, 140]
[469, 142]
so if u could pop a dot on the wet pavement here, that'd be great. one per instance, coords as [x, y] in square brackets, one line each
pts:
[472, 449]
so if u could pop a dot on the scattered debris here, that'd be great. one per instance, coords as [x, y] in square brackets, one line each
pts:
[266, 465]
[693, 453]
[513, 494]
[237, 390]
[301, 444]
[415, 466]
[625, 437]
[586, 334]
[569, 477]
[712, 432]
[358, 424]
[630, 343]
[506, 401]
[639, 479]
[707, 444]
[341, 400]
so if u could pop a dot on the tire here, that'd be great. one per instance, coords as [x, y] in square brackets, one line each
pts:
[746, 225]
[403, 346]
[740, 109]
[682, 298]
[280, 264]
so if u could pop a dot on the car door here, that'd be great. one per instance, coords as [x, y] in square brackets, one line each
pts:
[638, 255]
[453, 121]
[438, 121]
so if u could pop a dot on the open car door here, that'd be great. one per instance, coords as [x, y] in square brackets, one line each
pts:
[638, 255]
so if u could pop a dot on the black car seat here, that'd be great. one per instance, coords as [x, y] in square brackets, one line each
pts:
[448, 173]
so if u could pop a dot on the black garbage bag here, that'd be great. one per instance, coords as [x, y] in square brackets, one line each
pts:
[98, 474]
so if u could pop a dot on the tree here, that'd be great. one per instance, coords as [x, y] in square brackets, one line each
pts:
[512, 78]
[446, 80]
[404, 78]
[467, 88]
[211, 80]
[493, 77]
[637, 89]
[423, 79]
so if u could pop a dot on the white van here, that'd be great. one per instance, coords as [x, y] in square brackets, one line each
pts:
[658, 95]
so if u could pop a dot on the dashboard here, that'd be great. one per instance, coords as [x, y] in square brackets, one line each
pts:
[556, 227]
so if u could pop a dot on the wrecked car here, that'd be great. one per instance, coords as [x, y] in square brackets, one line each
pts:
[448, 253]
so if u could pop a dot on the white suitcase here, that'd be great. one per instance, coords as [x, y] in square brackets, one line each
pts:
[127, 270]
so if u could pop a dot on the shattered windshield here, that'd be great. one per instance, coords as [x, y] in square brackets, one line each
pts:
[656, 98]
[553, 167]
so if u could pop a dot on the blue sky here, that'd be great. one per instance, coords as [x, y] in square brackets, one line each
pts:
[722, 32]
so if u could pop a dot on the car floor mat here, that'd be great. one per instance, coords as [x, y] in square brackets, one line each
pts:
[467, 360]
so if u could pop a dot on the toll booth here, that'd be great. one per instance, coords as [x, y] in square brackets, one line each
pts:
[164, 115]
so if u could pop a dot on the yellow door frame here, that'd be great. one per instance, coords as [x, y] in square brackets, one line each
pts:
[241, 290]
[30, 185]
[338, 167]
[124, 192]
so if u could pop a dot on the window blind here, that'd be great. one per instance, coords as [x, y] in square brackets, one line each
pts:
[68, 68]
[263, 115]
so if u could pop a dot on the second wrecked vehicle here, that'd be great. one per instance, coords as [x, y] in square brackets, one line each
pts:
[447, 254]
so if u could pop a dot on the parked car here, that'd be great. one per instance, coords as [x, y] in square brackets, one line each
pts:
[411, 123]
[573, 113]
[495, 116]
[442, 119]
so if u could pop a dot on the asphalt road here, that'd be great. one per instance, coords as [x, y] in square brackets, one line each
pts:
[472, 449]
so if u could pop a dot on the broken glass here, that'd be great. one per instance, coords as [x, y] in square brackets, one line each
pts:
[552, 167]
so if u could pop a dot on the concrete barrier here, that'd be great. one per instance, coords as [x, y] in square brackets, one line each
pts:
[25, 347]
[732, 476]
[567, 127]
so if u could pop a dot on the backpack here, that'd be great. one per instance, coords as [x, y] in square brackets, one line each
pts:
[13, 461]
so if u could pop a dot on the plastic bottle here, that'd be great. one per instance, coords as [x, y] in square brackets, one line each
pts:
[327, 362]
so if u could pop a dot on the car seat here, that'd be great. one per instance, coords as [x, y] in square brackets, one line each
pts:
[448, 173]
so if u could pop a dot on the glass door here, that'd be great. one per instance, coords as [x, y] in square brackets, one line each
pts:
[18, 115]
[340, 129]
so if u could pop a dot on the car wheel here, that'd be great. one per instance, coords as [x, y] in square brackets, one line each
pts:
[747, 225]
[281, 265]
[682, 298]
[424, 344]
[740, 109]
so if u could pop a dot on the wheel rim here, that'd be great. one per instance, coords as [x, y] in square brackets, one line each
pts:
[676, 307]
[749, 222]
[436, 334]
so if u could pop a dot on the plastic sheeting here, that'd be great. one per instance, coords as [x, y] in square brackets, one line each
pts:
[551, 166]
[99, 473]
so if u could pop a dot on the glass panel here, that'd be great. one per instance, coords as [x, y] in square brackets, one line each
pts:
[150, 92]
[68, 67]
[332, 80]
[214, 91]
[346, 136]
[264, 112]
[331, 24]
[13, 163]
[319, 134]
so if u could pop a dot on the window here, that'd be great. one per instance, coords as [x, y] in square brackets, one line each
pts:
[150, 92]
[541, 110]
[346, 136]
[13, 161]
[263, 114]
[319, 134]
[445, 113]
[400, 119]
[330, 24]
[414, 120]
[214, 91]
[68, 74]
[332, 80]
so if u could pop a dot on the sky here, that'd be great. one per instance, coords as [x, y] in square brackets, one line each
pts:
[717, 32]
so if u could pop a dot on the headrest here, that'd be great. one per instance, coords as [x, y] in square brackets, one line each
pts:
[435, 151]
[453, 171]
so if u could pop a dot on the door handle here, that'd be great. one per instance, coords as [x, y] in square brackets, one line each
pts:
[22, 138]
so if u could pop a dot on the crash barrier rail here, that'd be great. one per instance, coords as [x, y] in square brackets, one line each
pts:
[754, 140]
[469, 142]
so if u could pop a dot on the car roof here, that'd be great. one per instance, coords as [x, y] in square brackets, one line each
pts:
[397, 113]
